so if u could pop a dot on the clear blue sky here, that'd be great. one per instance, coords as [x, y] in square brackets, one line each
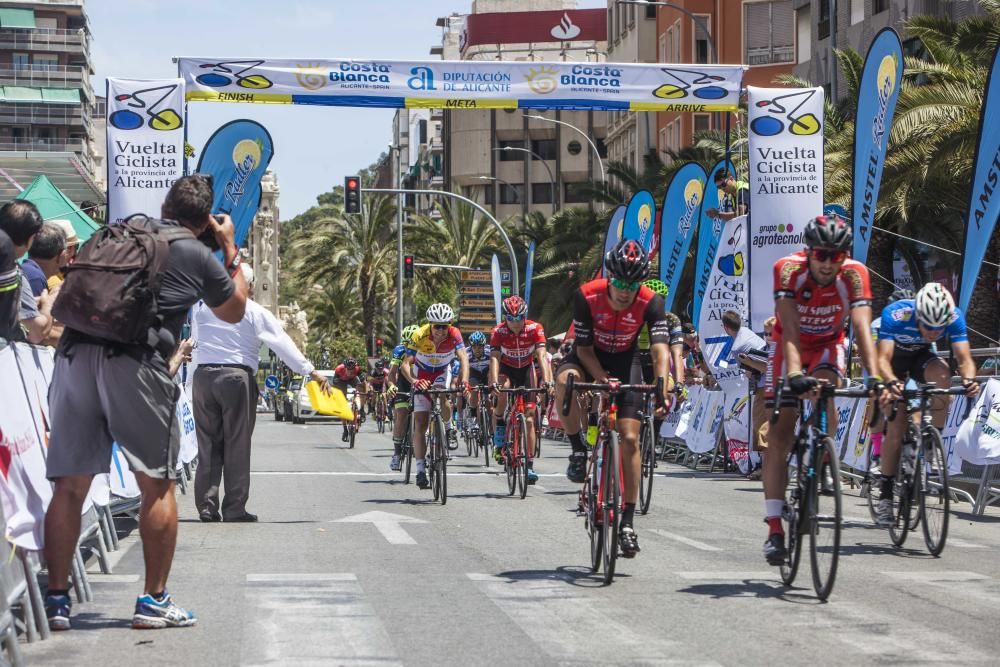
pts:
[315, 147]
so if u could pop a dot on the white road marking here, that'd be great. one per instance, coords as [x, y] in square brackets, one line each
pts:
[348, 473]
[940, 576]
[563, 620]
[684, 540]
[312, 619]
[100, 578]
[964, 544]
[386, 523]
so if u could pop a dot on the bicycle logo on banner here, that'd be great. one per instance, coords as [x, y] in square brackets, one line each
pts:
[802, 125]
[223, 73]
[163, 120]
[686, 80]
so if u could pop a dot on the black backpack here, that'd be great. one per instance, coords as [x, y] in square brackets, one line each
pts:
[110, 290]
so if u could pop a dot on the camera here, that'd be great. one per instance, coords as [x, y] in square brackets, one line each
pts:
[208, 236]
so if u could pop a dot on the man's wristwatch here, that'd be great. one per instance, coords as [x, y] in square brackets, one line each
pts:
[234, 265]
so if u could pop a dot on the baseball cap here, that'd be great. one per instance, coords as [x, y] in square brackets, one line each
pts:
[67, 228]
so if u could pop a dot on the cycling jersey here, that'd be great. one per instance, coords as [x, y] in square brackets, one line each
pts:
[823, 309]
[342, 374]
[517, 349]
[433, 359]
[899, 324]
[596, 324]
[674, 326]
[479, 366]
[378, 378]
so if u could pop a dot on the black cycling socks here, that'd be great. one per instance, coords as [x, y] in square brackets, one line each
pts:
[576, 442]
[397, 446]
[628, 515]
[886, 490]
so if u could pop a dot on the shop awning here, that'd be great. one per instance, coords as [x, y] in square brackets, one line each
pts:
[61, 95]
[26, 95]
[17, 18]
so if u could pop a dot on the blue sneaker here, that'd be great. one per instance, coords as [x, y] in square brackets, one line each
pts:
[57, 608]
[532, 476]
[151, 613]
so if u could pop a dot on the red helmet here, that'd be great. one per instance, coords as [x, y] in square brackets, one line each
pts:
[514, 308]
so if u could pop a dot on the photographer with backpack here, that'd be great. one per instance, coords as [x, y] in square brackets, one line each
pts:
[123, 303]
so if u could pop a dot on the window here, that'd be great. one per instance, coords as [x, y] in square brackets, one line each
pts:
[545, 148]
[541, 193]
[510, 156]
[20, 60]
[803, 29]
[46, 24]
[770, 32]
[661, 48]
[574, 147]
[631, 17]
[651, 12]
[702, 122]
[673, 44]
[602, 149]
[702, 29]
[879, 6]
[45, 62]
[573, 193]
[511, 193]
[823, 28]
[857, 11]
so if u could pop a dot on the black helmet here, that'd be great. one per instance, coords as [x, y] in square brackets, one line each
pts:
[627, 261]
[828, 231]
[350, 362]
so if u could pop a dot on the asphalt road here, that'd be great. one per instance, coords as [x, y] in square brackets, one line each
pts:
[489, 579]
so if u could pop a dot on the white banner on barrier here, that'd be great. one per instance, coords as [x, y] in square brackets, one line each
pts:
[786, 181]
[736, 422]
[123, 482]
[978, 437]
[189, 438]
[706, 418]
[24, 490]
[857, 440]
[949, 434]
[145, 121]
[677, 422]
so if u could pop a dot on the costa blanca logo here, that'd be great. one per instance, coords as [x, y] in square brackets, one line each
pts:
[311, 76]
[885, 84]
[240, 72]
[566, 30]
[542, 80]
[684, 82]
[149, 101]
[785, 109]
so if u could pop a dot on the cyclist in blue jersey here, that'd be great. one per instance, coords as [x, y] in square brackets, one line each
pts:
[479, 366]
[908, 330]
[401, 401]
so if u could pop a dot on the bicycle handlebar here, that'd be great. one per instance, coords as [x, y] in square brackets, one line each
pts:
[615, 388]
[929, 389]
[827, 391]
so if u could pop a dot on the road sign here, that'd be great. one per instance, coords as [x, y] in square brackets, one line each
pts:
[474, 302]
[478, 289]
[271, 382]
[483, 276]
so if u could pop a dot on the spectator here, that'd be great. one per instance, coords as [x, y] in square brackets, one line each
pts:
[10, 290]
[697, 369]
[72, 246]
[738, 194]
[224, 400]
[44, 257]
[21, 221]
[751, 353]
[104, 391]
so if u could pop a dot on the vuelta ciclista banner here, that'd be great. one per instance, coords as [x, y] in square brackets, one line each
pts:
[236, 156]
[786, 181]
[709, 231]
[681, 208]
[145, 132]
[727, 290]
[984, 201]
[464, 84]
[877, 97]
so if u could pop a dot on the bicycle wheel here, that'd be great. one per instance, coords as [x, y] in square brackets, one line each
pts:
[611, 506]
[485, 435]
[352, 432]
[432, 471]
[902, 499]
[825, 519]
[792, 517]
[509, 465]
[380, 415]
[592, 514]
[871, 485]
[538, 431]
[520, 456]
[407, 454]
[934, 492]
[441, 463]
[648, 460]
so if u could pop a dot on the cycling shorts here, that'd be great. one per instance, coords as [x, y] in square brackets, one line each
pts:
[912, 364]
[477, 378]
[622, 366]
[830, 356]
[422, 402]
[520, 377]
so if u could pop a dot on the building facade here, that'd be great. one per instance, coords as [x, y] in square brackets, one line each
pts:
[47, 103]
[264, 238]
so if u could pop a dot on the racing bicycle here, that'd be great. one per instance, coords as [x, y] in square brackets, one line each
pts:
[516, 457]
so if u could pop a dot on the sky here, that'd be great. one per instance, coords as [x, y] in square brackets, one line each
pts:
[315, 147]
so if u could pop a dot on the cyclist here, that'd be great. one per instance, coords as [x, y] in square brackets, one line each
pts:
[676, 340]
[905, 339]
[815, 291]
[348, 374]
[479, 367]
[514, 343]
[607, 316]
[425, 365]
[377, 381]
[401, 401]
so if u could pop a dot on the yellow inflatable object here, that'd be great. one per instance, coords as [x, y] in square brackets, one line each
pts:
[333, 404]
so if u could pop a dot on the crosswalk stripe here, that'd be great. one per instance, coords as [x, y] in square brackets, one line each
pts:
[315, 619]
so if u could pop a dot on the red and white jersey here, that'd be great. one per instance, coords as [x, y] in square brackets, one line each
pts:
[823, 309]
[517, 349]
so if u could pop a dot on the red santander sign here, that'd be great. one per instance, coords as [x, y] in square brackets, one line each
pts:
[571, 25]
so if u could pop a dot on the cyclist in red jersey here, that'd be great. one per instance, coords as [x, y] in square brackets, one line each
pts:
[348, 374]
[608, 314]
[514, 343]
[815, 292]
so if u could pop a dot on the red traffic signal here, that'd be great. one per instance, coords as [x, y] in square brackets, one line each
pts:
[378, 342]
[408, 266]
[352, 194]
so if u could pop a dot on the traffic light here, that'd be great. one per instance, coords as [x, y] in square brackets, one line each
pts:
[408, 266]
[378, 346]
[352, 194]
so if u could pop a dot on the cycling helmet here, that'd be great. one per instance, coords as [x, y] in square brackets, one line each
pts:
[440, 313]
[477, 338]
[900, 294]
[828, 231]
[408, 332]
[627, 261]
[514, 307]
[380, 364]
[935, 306]
[350, 362]
[657, 286]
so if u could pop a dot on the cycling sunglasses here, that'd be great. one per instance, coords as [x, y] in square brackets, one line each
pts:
[514, 318]
[618, 283]
[440, 327]
[828, 255]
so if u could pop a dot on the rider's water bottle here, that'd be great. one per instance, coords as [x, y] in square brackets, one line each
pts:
[592, 430]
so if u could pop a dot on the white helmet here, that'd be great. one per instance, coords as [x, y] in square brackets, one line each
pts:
[935, 306]
[440, 313]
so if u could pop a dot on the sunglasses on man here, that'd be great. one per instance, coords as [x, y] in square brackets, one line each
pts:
[625, 285]
[828, 255]
[441, 327]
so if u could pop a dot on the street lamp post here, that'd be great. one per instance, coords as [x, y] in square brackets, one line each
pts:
[520, 199]
[697, 21]
[527, 176]
[597, 153]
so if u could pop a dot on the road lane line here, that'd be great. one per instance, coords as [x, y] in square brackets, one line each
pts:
[964, 544]
[351, 473]
[684, 540]
[312, 619]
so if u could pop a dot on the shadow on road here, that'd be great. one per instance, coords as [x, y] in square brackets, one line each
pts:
[750, 588]
[575, 575]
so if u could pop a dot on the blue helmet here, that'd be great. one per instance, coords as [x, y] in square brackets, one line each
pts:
[477, 338]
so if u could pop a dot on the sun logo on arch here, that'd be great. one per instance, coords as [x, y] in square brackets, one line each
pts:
[542, 80]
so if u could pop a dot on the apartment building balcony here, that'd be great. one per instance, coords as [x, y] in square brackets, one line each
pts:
[76, 42]
[770, 56]
[33, 144]
[49, 76]
[17, 113]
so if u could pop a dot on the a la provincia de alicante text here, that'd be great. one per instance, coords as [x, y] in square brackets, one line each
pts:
[146, 165]
[791, 171]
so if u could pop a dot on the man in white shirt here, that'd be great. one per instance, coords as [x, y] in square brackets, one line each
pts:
[224, 398]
